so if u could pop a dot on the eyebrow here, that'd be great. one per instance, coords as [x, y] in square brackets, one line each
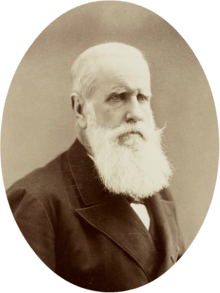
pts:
[120, 90]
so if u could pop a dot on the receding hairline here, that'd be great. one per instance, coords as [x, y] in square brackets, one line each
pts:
[112, 48]
[84, 67]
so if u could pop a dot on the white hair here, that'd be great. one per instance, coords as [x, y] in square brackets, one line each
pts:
[127, 164]
[83, 69]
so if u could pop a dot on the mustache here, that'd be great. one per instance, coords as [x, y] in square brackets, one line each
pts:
[139, 128]
[125, 135]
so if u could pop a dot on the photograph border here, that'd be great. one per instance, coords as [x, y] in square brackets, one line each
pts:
[198, 23]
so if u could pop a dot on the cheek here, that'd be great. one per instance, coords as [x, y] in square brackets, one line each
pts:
[105, 117]
[148, 116]
[113, 117]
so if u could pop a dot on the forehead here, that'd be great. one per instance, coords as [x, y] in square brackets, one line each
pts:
[122, 72]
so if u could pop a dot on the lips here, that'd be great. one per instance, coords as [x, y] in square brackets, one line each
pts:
[135, 132]
[125, 137]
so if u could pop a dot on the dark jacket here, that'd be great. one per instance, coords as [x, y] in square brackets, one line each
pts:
[88, 236]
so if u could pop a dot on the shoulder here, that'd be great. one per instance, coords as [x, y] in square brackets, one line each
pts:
[44, 184]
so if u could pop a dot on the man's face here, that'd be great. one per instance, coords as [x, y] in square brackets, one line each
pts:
[122, 92]
[123, 139]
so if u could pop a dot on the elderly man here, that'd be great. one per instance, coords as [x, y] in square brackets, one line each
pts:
[100, 215]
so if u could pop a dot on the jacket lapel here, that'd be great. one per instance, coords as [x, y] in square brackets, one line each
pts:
[163, 212]
[113, 216]
[117, 220]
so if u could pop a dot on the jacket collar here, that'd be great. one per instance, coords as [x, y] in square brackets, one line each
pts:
[86, 177]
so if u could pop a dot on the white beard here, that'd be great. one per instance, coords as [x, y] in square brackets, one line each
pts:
[129, 164]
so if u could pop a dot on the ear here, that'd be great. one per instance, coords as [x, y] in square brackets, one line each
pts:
[78, 105]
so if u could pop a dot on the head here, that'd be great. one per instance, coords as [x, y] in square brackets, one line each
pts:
[111, 100]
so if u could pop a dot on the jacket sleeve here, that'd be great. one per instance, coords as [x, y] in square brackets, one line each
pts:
[34, 223]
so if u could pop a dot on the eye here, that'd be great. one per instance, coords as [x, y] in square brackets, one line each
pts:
[142, 98]
[117, 97]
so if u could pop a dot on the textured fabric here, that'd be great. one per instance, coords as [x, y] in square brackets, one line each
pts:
[88, 236]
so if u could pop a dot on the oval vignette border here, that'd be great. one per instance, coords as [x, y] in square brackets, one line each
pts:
[198, 23]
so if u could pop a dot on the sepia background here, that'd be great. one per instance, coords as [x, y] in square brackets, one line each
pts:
[38, 122]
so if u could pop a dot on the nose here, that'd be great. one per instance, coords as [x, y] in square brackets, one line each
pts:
[134, 113]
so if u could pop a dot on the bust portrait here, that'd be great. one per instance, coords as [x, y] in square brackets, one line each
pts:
[117, 102]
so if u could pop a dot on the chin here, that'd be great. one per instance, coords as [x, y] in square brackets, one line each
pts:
[129, 159]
